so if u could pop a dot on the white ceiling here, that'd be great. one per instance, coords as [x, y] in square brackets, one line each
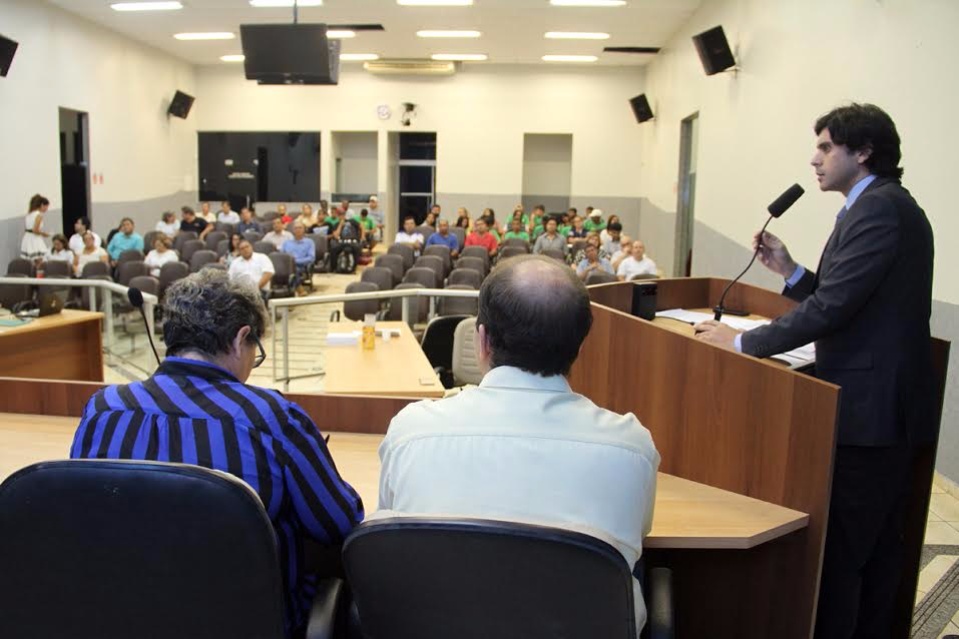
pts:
[512, 29]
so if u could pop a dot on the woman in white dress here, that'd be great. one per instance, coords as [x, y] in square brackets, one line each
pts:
[80, 227]
[161, 254]
[60, 252]
[32, 246]
[168, 225]
[92, 252]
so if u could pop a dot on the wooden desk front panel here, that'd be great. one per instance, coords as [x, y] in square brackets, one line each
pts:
[67, 346]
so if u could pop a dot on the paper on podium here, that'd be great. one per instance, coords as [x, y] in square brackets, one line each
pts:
[350, 338]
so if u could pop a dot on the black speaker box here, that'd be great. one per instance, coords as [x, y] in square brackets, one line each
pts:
[180, 107]
[7, 48]
[644, 300]
[714, 51]
[641, 108]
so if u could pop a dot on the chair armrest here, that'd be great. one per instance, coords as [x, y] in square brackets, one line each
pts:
[659, 603]
[329, 598]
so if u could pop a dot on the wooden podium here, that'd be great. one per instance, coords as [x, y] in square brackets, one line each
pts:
[746, 425]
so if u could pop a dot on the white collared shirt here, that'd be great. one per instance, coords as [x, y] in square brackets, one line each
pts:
[631, 267]
[252, 270]
[521, 447]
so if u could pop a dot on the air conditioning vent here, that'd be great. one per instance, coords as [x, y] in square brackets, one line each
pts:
[410, 67]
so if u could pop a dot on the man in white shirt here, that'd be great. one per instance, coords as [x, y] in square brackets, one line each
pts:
[612, 238]
[377, 214]
[255, 269]
[636, 263]
[522, 446]
[409, 236]
[226, 215]
[279, 235]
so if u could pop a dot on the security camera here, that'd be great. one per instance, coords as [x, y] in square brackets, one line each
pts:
[409, 110]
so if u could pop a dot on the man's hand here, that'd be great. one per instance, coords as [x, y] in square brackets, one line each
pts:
[717, 333]
[774, 255]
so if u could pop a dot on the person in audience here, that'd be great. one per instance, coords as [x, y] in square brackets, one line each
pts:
[126, 240]
[587, 213]
[347, 211]
[537, 221]
[550, 239]
[32, 246]
[324, 210]
[565, 225]
[307, 218]
[636, 263]
[594, 223]
[161, 254]
[282, 215]
[494, 228]
[614, 238]
[247, 223]
[409, 235]
[430, 220]
[443, 237]
[369, 228]
[346, 238]
[61, 250]
[213, 330]
[571, 212]
[227, 215]
[522, 214]
[279, 235]
[517, 232]
[604, 235]
[253, 269]
[378, 217]
[91, 252]
[331, 220]
[303, 251]
[522, 446]
[168, 224]
[578, 231]
[591, 239]
[481, 236]
[191, 222]
[206, 214]
[233, 252]
[437, 211]
[592, 262]
[626, 249]
[80, 227]
[463, 220]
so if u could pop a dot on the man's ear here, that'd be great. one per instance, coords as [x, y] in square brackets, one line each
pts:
[481, 348]
[863, 154]
[241, 336]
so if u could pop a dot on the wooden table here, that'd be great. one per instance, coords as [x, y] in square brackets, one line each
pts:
[688, 515]
[396, 368]
[68, 345]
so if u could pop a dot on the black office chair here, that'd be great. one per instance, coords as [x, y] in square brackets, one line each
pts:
[13, 297]
[437, 344]
[459, 305]
[416, 578]
[600, 277]
[97, 549]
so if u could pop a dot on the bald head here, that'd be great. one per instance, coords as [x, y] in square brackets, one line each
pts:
[534, 314]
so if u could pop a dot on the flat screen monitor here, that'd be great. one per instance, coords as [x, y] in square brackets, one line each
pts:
[289, 54]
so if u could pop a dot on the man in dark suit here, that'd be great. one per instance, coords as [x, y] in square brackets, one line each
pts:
[867, 309]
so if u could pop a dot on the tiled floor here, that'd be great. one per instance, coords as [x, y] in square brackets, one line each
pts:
[942, 532]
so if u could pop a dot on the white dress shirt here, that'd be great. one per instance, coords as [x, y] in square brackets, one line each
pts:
[252, 270]
[521, 447]
[168, 229]
[228, 218]
[278, 239]
[76, 242]
[631, 267]
[155, 260]
[408, 238]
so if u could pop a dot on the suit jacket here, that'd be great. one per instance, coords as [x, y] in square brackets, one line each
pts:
[867, 308]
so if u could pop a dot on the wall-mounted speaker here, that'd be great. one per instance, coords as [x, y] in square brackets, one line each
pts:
[714, 51]
[7, 48]
[641, 108]
[181, 105]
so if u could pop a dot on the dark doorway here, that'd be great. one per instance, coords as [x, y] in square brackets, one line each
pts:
[74, 167]
[686, 196]
[417, 172]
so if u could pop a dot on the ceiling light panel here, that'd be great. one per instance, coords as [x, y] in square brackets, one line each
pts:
[146, 6]
[588, 3]
[448, 34]
[238, 57]
[460, 57]
[213, 35]
[340, 33]
[569, 58]
[285, 3]
[575, 35]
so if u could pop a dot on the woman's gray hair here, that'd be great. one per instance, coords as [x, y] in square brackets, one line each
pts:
[205, 310]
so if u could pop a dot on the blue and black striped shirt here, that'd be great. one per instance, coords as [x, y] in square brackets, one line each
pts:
[197, 413]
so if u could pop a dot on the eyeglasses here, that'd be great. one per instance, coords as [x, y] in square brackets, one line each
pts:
[261, 357]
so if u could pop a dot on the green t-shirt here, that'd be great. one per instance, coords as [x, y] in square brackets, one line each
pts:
[590, 225]
[332, 220]
[564, 229]
[367, 222]
[495, 234]
[522, 235]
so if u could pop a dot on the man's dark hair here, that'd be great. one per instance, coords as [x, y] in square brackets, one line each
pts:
[572, 210]
[409, 217]
[540, 207]
[615, 226]
[205, 310]
[863, 127]
[536, 313]
[187, 209]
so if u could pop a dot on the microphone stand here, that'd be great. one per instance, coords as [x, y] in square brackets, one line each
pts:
[721, 308]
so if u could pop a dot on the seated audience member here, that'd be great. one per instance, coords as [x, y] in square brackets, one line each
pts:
[550, 239]
[307, 217]
[565, 225]
[492, 225]
[60, 251]
[443, 237]
[591, 239]
[161, 254]
[247, 223]
[522, 446]
[604, 234]
[283, 216]
[577, 231]
[168, 224]
[463, 220]
[279, 235]
[303, 251]
[636, 263]
[613, 242]
[346, 236]
[252, 269]
[324, 210]
[347, 211]
[206, 214]
[517, 232]
[626, 248]
[213, 330]
[227, 215]
[592, 262]
[482, 237]
[430, 220]
[537, 221]
[369, 228]
[233, 252]
[91, 252]
[409, 235]
[125, 240]
[378, 217]
[194, 223]
[331, 220]
[594, 223]
[437, 211]
[80, 227]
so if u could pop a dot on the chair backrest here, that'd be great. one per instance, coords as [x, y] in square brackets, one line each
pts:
[357, 309]
[20, 266]
[511, 251]
[100, 294]
[379, 275]
[283, 263]
[201, 259]
[465, 276]
[135, 538]
[406, 252]
[644, 276]
[556, 254]
[182, 238]
[460, 234]
[466, 368]
[13, 294]
[437, 342]
[420, 275]
[128, 270]
[443, 252]
[252, 236]
[223, 247]
[517, 241]
[475, 263]
[189, 248]
[171, 272]
[215, 237]
[459, 305]
[476, 251]
[322, 245]
[225, 227]
[146, 284]
[132, 255]
[476, 579]
[95, 269]
[264, 247]
[435, 263]
[394, 263]
[421, 306]
[269, 216]
[425, 231]
[600, 277]
[57, 268]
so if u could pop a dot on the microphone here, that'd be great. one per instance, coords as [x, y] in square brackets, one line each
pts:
[779, 206]
[136, 299]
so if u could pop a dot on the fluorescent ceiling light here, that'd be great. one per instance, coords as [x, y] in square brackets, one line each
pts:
[286, 3]
[575, 35]
[434, 3]
[448, 34]
[569, 58]
[587, 3]
[146, 6]
[460, 57]
[214, 35]
[340, 33]
[358, 57]
[239, 57]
